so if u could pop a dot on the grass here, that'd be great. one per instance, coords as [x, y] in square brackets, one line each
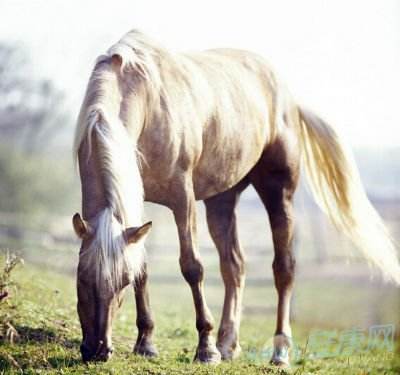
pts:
[42, 309]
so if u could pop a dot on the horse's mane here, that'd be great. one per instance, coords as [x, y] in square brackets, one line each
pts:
[139, 54]
[99, 119]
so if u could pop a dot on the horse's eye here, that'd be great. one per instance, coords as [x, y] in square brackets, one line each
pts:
[118, 217]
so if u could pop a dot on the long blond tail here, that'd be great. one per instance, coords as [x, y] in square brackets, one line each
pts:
[337, 188]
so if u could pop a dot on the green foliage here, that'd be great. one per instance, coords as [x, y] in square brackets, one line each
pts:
[32, 109]
[11, 261]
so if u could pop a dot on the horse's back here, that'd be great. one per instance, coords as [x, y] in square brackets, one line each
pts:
[239, 124]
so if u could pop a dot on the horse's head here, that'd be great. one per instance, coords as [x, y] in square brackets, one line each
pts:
[110, 258]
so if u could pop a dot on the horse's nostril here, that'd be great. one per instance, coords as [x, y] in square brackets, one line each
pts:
[105, 355]
[86, 353]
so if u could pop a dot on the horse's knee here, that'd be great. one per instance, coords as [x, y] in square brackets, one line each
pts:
[192, 270]
[284, 270]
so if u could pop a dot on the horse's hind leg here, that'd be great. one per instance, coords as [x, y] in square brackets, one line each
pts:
[275, 179]
[221, 221]
[144, 320]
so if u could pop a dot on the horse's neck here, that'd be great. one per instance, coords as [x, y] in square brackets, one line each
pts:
[135, 108]
[93, 194]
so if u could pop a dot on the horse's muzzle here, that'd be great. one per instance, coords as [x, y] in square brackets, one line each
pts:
[103, 353]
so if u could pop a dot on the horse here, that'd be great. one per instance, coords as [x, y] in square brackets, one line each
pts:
[173, 128]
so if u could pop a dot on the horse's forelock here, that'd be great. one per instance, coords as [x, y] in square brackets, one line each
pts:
[108, 256]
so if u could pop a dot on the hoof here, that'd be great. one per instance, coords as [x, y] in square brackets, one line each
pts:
[279, 363]
[146, 350]
[229, 352]
[208, 355]
[280, 357]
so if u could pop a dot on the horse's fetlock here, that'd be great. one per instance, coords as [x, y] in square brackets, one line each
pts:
[145, 324]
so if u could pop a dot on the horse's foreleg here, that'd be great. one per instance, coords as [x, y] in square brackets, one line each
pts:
[192, 270]
[144, 319]
[221, 221]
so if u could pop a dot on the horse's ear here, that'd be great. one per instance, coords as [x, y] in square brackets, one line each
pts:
[116, 59]
[81, 227]
[135, 234]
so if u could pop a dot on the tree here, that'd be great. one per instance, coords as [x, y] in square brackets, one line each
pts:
[30, 108]
[32, 112]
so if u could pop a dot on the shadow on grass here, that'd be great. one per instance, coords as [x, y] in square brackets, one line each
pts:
[38, 336]
[43, 335]
[19, 362]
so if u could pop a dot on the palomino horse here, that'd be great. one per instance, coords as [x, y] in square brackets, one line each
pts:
[203, 127]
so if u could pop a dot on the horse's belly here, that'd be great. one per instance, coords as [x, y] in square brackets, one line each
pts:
[224, 163]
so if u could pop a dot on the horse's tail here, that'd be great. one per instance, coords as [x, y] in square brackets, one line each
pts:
[337, 188]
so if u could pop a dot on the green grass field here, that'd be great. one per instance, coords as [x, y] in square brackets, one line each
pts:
[42, 309]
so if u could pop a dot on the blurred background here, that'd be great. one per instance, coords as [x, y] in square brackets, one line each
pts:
[339, 58]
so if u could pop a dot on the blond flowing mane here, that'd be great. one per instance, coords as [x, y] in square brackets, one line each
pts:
[117, 154]
[103, 93]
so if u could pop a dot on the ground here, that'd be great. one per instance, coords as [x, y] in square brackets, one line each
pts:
[42, 309]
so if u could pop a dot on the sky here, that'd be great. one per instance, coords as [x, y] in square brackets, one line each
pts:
[340, 58]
